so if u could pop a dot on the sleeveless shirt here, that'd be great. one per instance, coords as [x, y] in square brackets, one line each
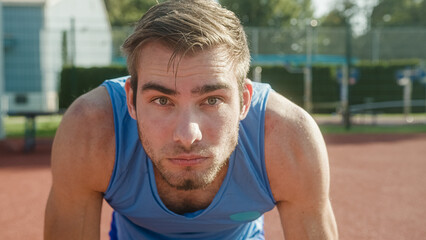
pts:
[236, 211]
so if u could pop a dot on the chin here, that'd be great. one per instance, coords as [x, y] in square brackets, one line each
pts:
[190, 178]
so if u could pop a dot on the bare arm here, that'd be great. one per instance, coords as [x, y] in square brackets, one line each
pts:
[82, 161]
[298, 170]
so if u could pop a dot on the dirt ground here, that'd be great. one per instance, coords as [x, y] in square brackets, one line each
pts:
[377, 188]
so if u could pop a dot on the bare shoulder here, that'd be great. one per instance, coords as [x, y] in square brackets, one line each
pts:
[82, 162]
[295, 152]
[84, 144]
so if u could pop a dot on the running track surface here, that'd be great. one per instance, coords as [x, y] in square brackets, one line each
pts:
[377, 188]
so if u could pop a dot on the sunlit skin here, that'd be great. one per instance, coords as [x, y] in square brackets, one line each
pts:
[188, 123]
[188, 126]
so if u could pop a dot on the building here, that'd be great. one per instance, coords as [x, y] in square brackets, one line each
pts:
[2, 133]
[39, 37]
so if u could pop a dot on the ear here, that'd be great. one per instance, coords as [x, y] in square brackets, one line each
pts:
[247, 95]
[129, 98]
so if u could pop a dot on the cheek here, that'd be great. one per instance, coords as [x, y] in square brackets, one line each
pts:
[222, 124]
[153, 127]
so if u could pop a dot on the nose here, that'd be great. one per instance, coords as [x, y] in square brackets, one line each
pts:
[187, 130]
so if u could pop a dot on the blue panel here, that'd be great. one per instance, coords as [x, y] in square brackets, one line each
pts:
[298, 60]
[21, 27]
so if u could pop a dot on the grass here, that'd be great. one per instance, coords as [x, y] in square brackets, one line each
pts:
[46, 127]
[367, 123]
[377, 129]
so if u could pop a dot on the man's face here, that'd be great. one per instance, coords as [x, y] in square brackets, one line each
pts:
[188, 122]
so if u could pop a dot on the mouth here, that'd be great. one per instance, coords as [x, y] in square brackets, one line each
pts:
[188, 160]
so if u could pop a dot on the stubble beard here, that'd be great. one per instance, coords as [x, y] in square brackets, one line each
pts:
[196, 179]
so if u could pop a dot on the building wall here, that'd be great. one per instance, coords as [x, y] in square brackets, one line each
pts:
[43, 35]
[2, 110]
[21, 27]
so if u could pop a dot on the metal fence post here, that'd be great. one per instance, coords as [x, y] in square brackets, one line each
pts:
[307, 71]
[376, 45]
[2, 85]
[346, 76]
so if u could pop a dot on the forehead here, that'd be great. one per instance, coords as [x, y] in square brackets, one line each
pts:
[154, 64]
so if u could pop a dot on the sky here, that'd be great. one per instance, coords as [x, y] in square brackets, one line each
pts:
[359, 22]
[321, 7]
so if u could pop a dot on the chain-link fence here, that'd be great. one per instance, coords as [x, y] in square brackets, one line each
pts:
[375, 45]
[51, 48]
[382, 44]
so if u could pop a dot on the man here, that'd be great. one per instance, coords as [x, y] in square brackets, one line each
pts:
[187, 147]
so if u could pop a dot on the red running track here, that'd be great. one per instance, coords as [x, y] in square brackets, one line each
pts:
[378, 188]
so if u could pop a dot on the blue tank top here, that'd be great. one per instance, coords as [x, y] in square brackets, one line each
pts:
[236, 211]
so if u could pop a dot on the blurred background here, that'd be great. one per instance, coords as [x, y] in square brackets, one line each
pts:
[352, 60]
[358, 66]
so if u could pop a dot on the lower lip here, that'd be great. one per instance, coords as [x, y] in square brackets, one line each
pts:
[187, 162]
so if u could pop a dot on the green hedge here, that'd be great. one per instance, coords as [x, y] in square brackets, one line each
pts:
[76, 81]
[377, 83]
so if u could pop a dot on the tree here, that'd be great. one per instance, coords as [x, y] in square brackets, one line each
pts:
[127, 12]
[343, 11]
[272, 13]
[399, 13]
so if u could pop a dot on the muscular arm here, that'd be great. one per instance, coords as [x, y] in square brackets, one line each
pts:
[82, 161]
[298, 170]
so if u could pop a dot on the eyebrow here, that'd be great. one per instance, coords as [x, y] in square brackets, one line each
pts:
[198, 90]
[159, 88]
[209, 88]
